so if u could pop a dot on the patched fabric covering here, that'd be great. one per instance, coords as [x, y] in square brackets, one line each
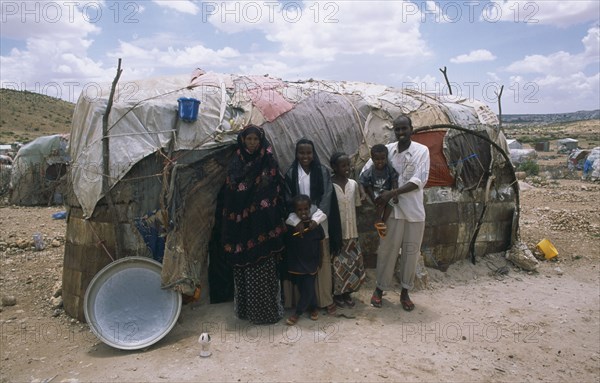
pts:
[336, 116]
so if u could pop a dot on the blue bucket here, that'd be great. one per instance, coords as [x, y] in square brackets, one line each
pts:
[188, 109]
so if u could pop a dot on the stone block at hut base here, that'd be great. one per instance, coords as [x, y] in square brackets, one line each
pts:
[521, 256]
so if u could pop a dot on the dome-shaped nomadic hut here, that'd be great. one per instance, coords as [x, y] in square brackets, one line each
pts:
[165, 173]
[38, 170]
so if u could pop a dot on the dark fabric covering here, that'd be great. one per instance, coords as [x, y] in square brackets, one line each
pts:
[439, 172]
[319, 175]
[291, 189]
[322, 195]
[303, 254]
[257, 296]
[308, 294]
[253, 209]
[220, 272]
[469, 160]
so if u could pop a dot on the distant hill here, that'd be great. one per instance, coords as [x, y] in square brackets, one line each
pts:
[547, 119]
[26, 115]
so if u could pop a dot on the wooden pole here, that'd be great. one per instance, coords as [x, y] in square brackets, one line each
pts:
[444, 71]
[106, 165]
[499, 96]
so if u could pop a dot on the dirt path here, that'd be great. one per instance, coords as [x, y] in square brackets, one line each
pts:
[470, 324]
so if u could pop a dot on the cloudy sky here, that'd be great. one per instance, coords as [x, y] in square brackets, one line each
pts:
[544, 53]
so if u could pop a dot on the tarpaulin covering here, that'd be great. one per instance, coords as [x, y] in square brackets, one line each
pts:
[143, 119]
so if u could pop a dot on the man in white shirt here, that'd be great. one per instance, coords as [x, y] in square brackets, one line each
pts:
[406, 224]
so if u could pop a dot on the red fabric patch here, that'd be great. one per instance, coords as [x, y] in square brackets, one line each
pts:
[439, 173]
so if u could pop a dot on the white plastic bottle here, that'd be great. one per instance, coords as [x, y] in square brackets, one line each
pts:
[38, 241]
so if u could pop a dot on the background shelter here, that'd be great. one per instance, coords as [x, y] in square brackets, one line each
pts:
[565, 145]
[165, 174]
[591, 167]
[518, 156]
[514, 144]
[38, 170]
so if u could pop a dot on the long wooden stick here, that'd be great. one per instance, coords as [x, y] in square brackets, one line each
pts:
[499, 96]
[444, 71]
[106, 165]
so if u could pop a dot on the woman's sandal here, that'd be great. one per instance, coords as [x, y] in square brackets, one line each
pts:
[314, 314]
[292, 320]
[331, 309]
[407, 304]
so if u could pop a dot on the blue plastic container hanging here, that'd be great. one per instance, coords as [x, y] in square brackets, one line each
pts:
[188, 109]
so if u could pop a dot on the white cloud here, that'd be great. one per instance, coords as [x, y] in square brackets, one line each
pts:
[432, 9]
[48, 19]
[474, 56]
[56, 36]
[378, 41]
[271, 67]
[325, 30]
[170, 57]
[275, 68]
[558, 13]
[493, 77]
[553, 93]
[575, 84]
[425, 84]
[591, 43]
[182, 6]
[559, 62]
[557, 82]
[562, 63]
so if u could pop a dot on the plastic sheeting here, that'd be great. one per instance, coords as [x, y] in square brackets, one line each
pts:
[591, 167]
[140, 123]
[143, 119]
[517, 156]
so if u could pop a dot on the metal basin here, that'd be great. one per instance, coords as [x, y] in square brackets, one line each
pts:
[125, 306]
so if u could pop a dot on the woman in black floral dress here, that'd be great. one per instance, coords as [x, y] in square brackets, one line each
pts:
[253, 228]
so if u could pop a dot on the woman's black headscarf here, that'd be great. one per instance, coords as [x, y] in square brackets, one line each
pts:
[316, 176]
[317, 189]
[252, 205]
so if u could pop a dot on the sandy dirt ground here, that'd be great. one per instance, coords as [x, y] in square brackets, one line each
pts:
[472, 323]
